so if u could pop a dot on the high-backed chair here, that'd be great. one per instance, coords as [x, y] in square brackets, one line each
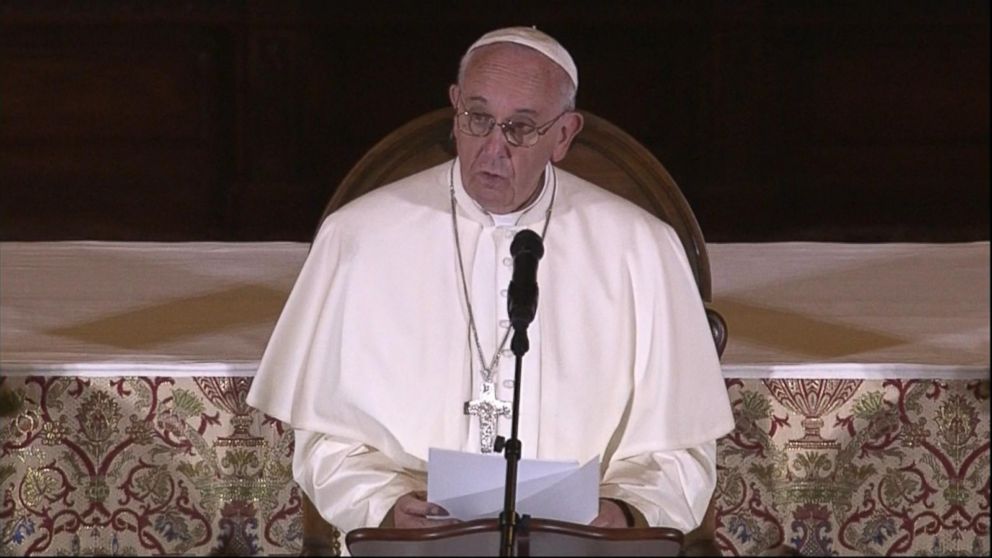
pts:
[603, 154]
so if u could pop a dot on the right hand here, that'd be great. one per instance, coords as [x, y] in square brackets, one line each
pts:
[411, 511]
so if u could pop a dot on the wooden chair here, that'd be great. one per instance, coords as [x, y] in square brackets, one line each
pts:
[603, 154]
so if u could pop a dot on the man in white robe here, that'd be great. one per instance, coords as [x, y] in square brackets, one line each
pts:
[399, 316]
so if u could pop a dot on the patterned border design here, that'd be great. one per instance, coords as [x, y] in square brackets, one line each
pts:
[150, 466]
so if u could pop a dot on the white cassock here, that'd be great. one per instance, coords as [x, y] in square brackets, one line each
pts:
[372, 362]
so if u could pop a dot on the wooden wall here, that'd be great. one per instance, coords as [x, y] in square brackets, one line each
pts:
[234, 120]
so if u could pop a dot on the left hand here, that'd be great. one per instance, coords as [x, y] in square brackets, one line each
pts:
[610, 516]
[413, 511]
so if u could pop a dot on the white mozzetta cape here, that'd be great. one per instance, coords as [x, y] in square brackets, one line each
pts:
[372, 362]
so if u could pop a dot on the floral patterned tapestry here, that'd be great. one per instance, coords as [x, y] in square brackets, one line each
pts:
[145, 466]
[852, 467]
[157, 465]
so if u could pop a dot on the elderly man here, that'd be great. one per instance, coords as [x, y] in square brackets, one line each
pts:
[399, 320]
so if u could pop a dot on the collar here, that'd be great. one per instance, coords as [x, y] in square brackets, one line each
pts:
[532, 214]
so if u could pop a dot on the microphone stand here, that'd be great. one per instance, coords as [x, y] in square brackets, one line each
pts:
[509, 522]
[526, 249]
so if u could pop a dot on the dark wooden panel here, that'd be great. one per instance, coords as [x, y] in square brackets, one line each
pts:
[234, 119]
[832, 125]
[881, 132]
[117, 131]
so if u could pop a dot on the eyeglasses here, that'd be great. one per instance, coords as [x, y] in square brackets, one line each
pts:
[517, 134]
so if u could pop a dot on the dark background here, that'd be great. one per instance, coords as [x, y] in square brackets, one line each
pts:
[234, 120]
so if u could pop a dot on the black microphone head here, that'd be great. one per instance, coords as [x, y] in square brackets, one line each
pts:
[527, 241]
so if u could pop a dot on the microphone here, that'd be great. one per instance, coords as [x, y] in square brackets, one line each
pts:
[526, 249]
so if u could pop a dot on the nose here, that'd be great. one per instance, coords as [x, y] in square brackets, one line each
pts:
[495, 143]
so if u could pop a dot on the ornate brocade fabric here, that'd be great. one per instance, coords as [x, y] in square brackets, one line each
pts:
[853, 467]
[159, 465]
[145, 466]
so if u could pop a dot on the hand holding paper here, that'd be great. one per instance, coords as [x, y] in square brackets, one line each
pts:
[413, 511]
[470, 486]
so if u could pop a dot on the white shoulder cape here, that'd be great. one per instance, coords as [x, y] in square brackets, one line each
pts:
[372, 344]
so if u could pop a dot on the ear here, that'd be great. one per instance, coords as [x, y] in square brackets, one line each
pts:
[453, 94]
[570, 127]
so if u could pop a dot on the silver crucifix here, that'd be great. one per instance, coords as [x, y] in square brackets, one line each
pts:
[488, 409]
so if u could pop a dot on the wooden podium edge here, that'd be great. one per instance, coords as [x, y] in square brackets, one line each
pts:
[477, 526]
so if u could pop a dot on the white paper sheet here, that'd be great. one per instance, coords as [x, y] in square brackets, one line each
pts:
[470, 486]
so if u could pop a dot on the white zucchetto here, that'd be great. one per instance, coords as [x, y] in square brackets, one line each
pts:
[537, 40]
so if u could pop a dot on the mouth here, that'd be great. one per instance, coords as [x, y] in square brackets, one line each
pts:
[490, 178]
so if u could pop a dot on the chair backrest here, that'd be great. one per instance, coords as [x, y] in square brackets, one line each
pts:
[602, 154]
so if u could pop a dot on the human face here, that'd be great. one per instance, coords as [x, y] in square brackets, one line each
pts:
[510, 83]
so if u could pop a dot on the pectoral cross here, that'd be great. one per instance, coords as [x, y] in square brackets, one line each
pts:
[488, 409]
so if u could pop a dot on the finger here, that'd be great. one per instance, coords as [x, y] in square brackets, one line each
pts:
[419, 509]
[411, 506]
[436, 510]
